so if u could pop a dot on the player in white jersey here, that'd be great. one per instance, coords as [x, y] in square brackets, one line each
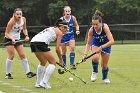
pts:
[12, 34]
[39, 45]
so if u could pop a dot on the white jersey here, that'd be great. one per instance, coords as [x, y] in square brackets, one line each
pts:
[47, 35]
[16, 29]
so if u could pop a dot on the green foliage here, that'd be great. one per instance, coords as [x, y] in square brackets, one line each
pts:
[124, 11]
[45, 12]
[56, 10]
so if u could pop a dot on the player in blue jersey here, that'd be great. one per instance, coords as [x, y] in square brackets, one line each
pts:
[100, 39]
[69, 35]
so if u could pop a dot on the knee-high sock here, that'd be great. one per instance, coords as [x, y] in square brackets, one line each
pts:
[105, 73]
[64, 59]
[49, 70]
[8, 65]
[72, 57]
[40, 71]
[25, 65]
[95, 66]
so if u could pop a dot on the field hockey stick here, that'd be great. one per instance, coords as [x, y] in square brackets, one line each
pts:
[64, 71]
[71, 73]
[10, 42]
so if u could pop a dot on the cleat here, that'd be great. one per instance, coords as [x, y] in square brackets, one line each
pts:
[37, 85]
[8, 76]
[45, 85]
[106, 81]
[30, 74]
[73, 67]
[93, 76]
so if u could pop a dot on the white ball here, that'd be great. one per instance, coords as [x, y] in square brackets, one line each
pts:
[71, 79]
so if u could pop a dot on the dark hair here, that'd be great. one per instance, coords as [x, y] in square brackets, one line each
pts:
[17, 9]
[60, 21]
[97, 16]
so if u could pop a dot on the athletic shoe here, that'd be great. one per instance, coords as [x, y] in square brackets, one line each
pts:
[73, 67]
[93, 76]
[8, 76]
[37, 85]
[106, 81]
[30, 74]
[65, 66]
[45, 85]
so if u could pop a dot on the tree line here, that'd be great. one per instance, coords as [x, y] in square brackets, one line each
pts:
[45, 12]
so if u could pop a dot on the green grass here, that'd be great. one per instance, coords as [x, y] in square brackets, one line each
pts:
[124, 74]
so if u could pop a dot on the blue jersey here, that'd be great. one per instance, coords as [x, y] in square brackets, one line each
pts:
[70, 24]
[100, 39]
[69, 35]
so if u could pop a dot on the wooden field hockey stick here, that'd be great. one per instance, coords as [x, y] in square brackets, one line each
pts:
[68, 69]
[71, 73]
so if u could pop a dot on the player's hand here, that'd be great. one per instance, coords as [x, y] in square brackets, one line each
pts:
[26, 39]
[84, 56]
[13, 41]
[77, 32]
[99, 49]
[61, 62]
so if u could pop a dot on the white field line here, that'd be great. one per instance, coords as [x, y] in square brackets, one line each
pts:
[17, 87]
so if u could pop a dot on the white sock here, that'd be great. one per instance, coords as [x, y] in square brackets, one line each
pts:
[49, 70]
[8, 65]
[25, 65]
[40, 71]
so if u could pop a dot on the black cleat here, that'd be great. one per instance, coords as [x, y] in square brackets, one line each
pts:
[31, 74]
[8, 76]
[73, 67]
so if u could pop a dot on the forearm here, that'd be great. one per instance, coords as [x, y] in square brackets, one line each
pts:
[25, 32]
[108, 44]
[59, 54]
[86, 49]
[9, 36]
[77, 27]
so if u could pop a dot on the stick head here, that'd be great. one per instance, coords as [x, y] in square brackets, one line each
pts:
[60, 71]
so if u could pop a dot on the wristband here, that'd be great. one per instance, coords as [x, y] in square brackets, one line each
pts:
[77, 32]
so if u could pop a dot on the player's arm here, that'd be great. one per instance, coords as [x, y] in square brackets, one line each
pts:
[76, 25]
[109, 36]
[58, 42]
[8, 29]
[90, 35]
[25, 30]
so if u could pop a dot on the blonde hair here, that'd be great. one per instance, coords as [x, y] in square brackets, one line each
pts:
[66, 7]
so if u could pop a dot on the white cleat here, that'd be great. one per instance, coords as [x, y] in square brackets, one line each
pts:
[106, 81]
[45, 85]
[37, 85]
[93, 76]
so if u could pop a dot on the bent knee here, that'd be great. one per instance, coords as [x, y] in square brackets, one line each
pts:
[72, 49]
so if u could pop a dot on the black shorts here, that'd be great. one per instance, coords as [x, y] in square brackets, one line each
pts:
[39, 47]
[9, 40]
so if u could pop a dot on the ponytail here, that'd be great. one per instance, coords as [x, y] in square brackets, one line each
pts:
[97, 16]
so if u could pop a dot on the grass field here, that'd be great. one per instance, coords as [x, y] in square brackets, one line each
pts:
[124, 74]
